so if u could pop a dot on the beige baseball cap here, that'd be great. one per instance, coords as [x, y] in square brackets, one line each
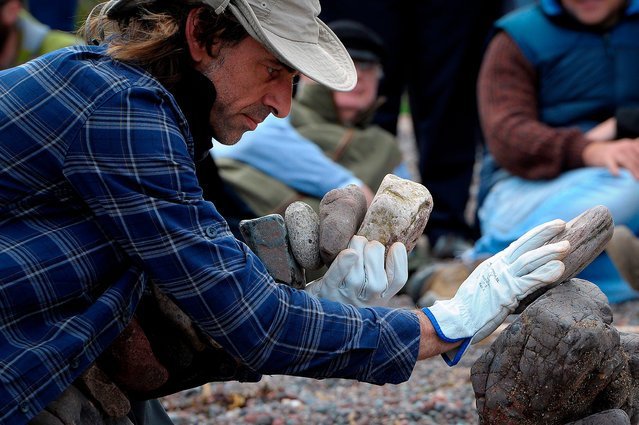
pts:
[292, 31]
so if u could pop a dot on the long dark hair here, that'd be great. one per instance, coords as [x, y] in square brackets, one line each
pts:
[151, 34]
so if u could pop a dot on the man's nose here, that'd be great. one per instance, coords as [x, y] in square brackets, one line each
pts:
[279, 97]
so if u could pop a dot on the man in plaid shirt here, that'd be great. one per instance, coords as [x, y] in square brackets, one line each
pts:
[99, 198]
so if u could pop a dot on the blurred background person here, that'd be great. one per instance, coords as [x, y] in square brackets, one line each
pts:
[553, 76]
[434, 52]
[23, 38]
[58, 14]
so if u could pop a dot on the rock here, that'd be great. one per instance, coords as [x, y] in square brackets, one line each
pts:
[398, 213]
[302, 224]
[559, 361]
[268, 239]
[106, 394]
[588, 234]
[630, 345]
[74, 408]
[131, 363]
[178, 318]
[609, 417]
[341, 212]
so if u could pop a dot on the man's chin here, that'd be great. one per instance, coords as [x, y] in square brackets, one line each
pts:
[229, 139]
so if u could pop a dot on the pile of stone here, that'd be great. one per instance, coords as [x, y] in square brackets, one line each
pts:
[303, 241]
[561, 361]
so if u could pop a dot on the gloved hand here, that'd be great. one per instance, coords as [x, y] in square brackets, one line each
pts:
[357, 275]
[495, 287]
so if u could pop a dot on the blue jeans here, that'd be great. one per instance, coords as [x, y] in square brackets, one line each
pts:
[515, 205]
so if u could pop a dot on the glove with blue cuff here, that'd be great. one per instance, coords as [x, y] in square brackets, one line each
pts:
[495, 287]
[358, 277]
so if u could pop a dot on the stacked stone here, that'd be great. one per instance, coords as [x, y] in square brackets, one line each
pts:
[303, 240]
[561, 361]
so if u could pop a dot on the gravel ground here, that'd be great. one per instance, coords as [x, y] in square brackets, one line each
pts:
[435, 394]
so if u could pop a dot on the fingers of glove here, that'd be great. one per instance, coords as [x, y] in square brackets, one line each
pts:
[534, 238]
[396, 268]
[358, 243]
[376, 281]
[546, 274]
[355, 278]
[341, 267]
[536, 258]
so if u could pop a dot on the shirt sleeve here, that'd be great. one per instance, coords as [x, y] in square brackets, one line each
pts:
[518, 140]
[132, 168]
[278, 150]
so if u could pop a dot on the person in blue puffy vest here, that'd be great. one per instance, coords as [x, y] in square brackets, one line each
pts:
[551, 75]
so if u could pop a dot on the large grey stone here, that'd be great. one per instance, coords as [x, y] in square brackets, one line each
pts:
[302, 224]
[561, 360]
[398, 213]
[608, 417]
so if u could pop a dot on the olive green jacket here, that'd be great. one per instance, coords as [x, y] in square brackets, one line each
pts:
[368, 150]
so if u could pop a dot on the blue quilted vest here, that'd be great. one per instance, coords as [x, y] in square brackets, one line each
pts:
[583, 75]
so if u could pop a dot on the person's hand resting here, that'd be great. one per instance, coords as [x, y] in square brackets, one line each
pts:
[357, 276]
[495, 287]
[613, 155]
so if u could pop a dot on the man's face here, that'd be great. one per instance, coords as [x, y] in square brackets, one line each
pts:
[352, 103]
[601, 13]
[251, 83]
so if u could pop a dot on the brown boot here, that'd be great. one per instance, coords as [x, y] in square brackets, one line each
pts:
[623, 250]
[438, 281]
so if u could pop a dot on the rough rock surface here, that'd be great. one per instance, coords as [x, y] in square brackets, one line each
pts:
[302, 224]
[588, 234]
[267, 237]
[341, 212]
[398, 213]
[559, 361]
[74, 408]
[609, 417]
[131, 363]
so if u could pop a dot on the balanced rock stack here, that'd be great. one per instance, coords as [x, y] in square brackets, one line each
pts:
[303, 240]
[562, 361]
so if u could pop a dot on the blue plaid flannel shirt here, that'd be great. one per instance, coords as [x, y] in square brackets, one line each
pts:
[98, 197]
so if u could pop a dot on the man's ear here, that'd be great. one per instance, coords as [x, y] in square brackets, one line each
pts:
[10, 12]
[196, 49]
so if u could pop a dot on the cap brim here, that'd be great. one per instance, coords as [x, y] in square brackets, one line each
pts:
[326, 61]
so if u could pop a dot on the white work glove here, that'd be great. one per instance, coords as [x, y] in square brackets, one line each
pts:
[495, 287]
[357, 276]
